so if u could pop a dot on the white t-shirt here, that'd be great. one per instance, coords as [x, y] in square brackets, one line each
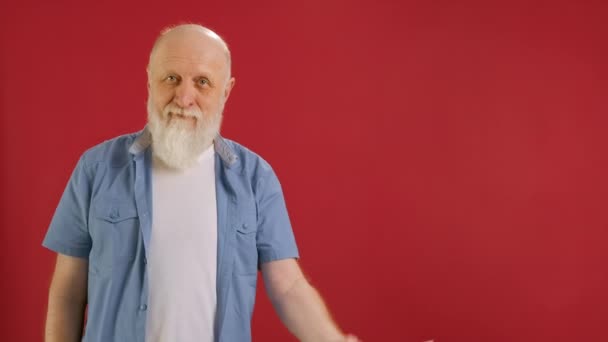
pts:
[182, 257]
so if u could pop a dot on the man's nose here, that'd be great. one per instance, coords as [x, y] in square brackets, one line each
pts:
[185, 95]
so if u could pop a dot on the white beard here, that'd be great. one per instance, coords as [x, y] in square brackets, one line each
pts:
[174, 141]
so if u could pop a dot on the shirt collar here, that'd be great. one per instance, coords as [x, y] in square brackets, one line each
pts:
[143, 139]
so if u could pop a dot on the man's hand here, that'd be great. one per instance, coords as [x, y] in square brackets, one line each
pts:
[351, 338]
[298, 304]
[348, 338]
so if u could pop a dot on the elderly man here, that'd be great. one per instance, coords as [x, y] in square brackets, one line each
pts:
[160, 233]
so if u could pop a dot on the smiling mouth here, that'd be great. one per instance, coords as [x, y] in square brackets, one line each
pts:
[181, 116]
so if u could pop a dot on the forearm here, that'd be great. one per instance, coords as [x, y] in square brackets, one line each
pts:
[67, 300]
[64, 320]
[305, 315]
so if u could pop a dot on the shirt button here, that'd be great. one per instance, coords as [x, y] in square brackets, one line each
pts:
[114, 213]
[143, 307]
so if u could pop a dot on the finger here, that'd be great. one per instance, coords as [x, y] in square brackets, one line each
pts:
[351, 338]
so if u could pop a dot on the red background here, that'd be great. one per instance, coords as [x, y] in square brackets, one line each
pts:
[444, 163]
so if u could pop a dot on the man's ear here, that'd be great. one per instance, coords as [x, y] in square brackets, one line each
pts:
[148, 77]
[228, 88]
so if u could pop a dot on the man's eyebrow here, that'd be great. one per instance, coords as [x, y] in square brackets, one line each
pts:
[197, 74]
[166, 72]
[202, 75]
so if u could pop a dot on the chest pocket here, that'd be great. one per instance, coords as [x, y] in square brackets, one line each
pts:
[115, 233]
[246, 245]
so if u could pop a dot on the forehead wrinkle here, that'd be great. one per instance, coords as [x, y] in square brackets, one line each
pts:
[190, 66]
[191, 60]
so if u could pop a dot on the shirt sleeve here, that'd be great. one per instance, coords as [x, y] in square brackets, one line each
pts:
[68, 232]
[275, 238]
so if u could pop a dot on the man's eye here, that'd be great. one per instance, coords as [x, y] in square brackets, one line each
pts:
[171, 79]
[203, 81]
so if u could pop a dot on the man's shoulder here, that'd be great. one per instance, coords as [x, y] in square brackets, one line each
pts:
[114, 151]
[249, 160]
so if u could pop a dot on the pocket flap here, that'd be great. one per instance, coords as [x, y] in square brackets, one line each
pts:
[246, 228]
[115, 211]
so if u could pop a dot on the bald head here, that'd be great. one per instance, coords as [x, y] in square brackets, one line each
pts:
[191, 39]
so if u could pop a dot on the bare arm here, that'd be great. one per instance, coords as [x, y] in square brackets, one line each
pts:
[298, 304]
[67, 300]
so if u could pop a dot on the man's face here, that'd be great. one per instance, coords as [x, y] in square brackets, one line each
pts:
[189, 83]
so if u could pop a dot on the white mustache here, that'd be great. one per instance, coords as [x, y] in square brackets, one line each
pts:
[177, 110]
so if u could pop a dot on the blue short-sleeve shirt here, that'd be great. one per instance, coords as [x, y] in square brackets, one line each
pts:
[105, 216]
